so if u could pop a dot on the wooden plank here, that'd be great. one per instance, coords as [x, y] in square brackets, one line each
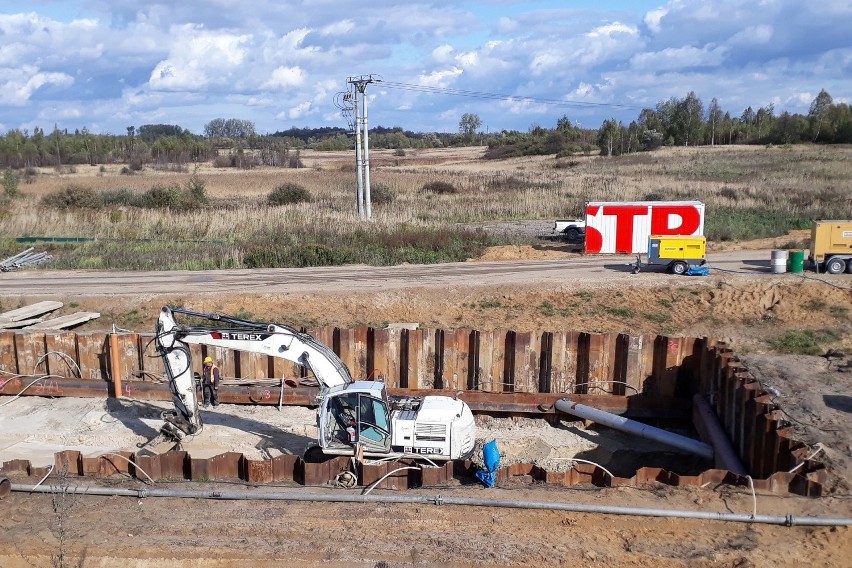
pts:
[66, 321]
[31, 311]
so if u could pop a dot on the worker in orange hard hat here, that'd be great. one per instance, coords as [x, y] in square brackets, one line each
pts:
[210, 382]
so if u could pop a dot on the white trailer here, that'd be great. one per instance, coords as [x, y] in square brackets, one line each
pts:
[624, 227]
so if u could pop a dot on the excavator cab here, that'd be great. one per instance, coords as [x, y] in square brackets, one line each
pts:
[356, 415]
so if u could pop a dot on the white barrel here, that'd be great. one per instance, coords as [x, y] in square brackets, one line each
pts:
[779, 261]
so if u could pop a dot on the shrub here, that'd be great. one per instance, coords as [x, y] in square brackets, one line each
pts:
[440, 187]
[289, 193]
[223, 162]
[10, 184]
[195, 188]
[161, 197]
[74, 196]
[125, 171]
[729, 192]
[381, 193]
[399, 152]
[653, 197]
[119, 197]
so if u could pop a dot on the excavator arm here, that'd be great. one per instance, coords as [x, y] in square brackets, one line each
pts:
[173, 340]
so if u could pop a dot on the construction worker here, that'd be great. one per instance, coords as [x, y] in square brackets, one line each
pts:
[210, 382]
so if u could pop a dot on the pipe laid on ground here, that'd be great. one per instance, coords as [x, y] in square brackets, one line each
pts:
[5, 487]
[696, 447]
[710, 429]
[786, 520]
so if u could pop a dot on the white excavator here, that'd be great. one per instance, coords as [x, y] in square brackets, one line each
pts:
[353, 417]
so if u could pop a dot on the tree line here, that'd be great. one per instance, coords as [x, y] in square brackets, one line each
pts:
[687, 122]
[675, 121]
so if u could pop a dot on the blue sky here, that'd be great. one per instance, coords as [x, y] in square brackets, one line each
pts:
[109, 64]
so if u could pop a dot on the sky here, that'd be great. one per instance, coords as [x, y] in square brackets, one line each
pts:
[109, 64]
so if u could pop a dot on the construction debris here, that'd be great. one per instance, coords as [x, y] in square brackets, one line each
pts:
[27, 315]
[23, 260]
[69, 320]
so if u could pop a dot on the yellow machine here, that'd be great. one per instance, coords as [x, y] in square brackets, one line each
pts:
[678, 253]
[831, 246]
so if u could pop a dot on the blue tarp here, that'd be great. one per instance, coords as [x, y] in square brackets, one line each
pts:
[698, 271]
[491, 458]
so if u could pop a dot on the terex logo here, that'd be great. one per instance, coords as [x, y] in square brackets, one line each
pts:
[624, 228]
[429, 451]
[239, 336]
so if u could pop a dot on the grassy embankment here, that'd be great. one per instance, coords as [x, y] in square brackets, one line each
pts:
[749, 192]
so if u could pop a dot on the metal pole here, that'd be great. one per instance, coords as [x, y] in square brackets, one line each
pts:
[115, 367]
[337, 497]
[360, 191]
[368, 206]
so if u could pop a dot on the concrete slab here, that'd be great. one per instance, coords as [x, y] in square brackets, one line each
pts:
[31, 311]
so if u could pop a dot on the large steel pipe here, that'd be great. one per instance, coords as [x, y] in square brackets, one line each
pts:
[5, 487]
[689, 445]
[710, 429]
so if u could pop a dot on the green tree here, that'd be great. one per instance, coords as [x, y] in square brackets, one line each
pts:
[607, 136]
[714, 119]
[818, 111]
[10, 183]
[468, 125]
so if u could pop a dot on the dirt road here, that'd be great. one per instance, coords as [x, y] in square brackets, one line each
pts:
[610, 271]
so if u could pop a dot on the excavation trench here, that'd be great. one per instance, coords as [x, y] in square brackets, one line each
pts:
[511, 380]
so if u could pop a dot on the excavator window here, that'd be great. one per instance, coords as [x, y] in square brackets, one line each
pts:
[367, 414]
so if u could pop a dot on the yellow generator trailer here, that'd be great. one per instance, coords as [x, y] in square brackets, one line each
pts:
[831, 246]
[677, 253]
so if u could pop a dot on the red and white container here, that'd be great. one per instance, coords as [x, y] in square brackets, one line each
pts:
[624, 227]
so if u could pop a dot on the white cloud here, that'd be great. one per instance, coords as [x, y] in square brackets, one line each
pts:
[283, 77]
[653, 18]
[677, 58]
[20, 84]
[200, 59]
[760, 34]
[441, 79]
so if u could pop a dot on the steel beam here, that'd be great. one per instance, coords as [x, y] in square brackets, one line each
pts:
[637, 406]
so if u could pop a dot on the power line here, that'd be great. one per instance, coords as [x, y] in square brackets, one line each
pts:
[502, 97]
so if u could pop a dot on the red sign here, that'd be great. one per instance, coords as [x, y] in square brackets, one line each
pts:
[624, 228]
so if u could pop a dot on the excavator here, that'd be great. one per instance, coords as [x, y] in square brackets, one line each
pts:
[355, 418]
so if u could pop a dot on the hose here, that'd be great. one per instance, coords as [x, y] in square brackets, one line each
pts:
[784, 520]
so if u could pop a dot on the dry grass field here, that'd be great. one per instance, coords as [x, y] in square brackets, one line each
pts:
[749, 191]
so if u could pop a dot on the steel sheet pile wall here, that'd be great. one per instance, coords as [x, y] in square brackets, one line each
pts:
[499, 370]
